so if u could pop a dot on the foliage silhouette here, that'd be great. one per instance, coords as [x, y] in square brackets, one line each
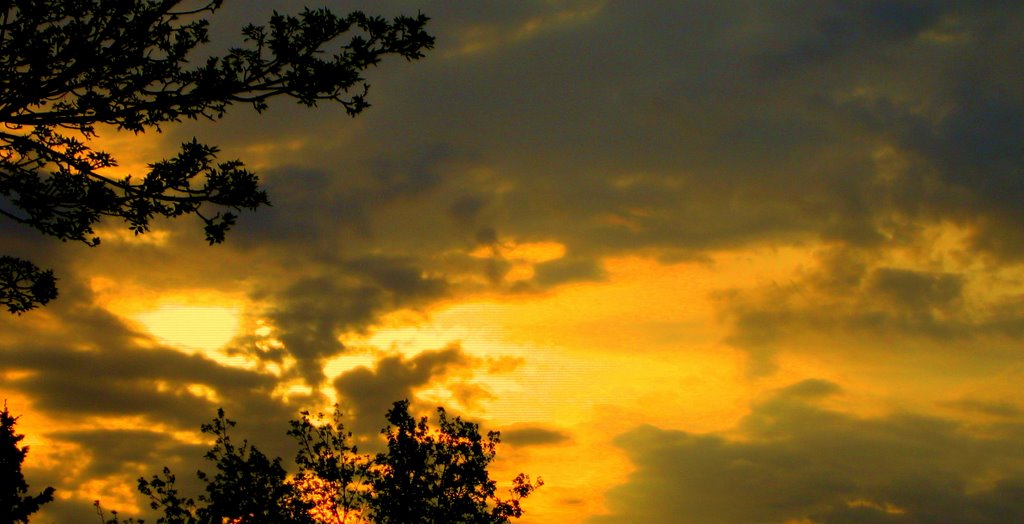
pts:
[332, 475]
[68, 67]
[15, 503]
[436, 476]
[247, 487]
[426, 476]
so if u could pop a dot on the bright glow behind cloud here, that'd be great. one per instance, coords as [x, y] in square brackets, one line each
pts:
[195, 328]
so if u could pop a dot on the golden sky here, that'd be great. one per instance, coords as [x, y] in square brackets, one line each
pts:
[699, 261]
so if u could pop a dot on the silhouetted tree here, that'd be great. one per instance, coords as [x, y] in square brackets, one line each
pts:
[426, 476]
[69, 66]
[333, 476]
[248, 487]
[15, 503]
[433, 476]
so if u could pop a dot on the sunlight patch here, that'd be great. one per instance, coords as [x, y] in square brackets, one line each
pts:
[886, 507]
[483, 38]
[153, 237]
[202, 328]
[528, 252]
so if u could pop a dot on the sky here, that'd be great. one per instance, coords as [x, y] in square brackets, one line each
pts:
[698, 261]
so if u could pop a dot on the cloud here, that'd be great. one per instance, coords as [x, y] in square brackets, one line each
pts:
[863, 298]
[400, 277]
[706, 126]
[523, 436]
[317, 209]
[371, 392]
[689, 141]
[791, 460]
[916, 291]
[566, 270]
[90, 363]
[312, 313]
[993, 408]
[123, 402]
[157, 384]
[112, 449]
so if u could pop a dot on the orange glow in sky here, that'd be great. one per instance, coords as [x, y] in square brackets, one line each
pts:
[699, 262]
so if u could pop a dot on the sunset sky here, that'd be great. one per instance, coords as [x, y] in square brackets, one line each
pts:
[699, 262]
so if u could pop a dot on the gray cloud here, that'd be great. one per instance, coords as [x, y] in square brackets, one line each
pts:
[994, 408]
[852, 295]
[313, 312]
[733, 148]
[370, 392]
[132, 381]
[89, 369]
[567, 269]
[916, 291]
[706, 125]
[797, 460]
[112, 449]
[90, 363]
[533, 436]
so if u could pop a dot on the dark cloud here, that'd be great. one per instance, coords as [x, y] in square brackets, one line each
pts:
[420, 173]
[311, 315]
[833, 30]
[370, 392]
[151, 382]
[466, 208]
[306, 204]
[91, 371]
[916, 291]
[399, 276]
[688, 134]
[111, 450]
[810, 389]
[23, 242]
[71, 510]
[994, 408]
[798, 461]
[318, 211]
[533, 436]
[314, 312]
[91, 363]
[565, 270]
[707, 125]
[851, 296]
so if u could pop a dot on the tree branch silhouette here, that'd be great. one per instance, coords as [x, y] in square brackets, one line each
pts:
[69, 66]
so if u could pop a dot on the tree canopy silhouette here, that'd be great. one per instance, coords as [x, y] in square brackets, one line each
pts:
[426, 476]
[15, 503]
[439, 475]
[70, 66]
